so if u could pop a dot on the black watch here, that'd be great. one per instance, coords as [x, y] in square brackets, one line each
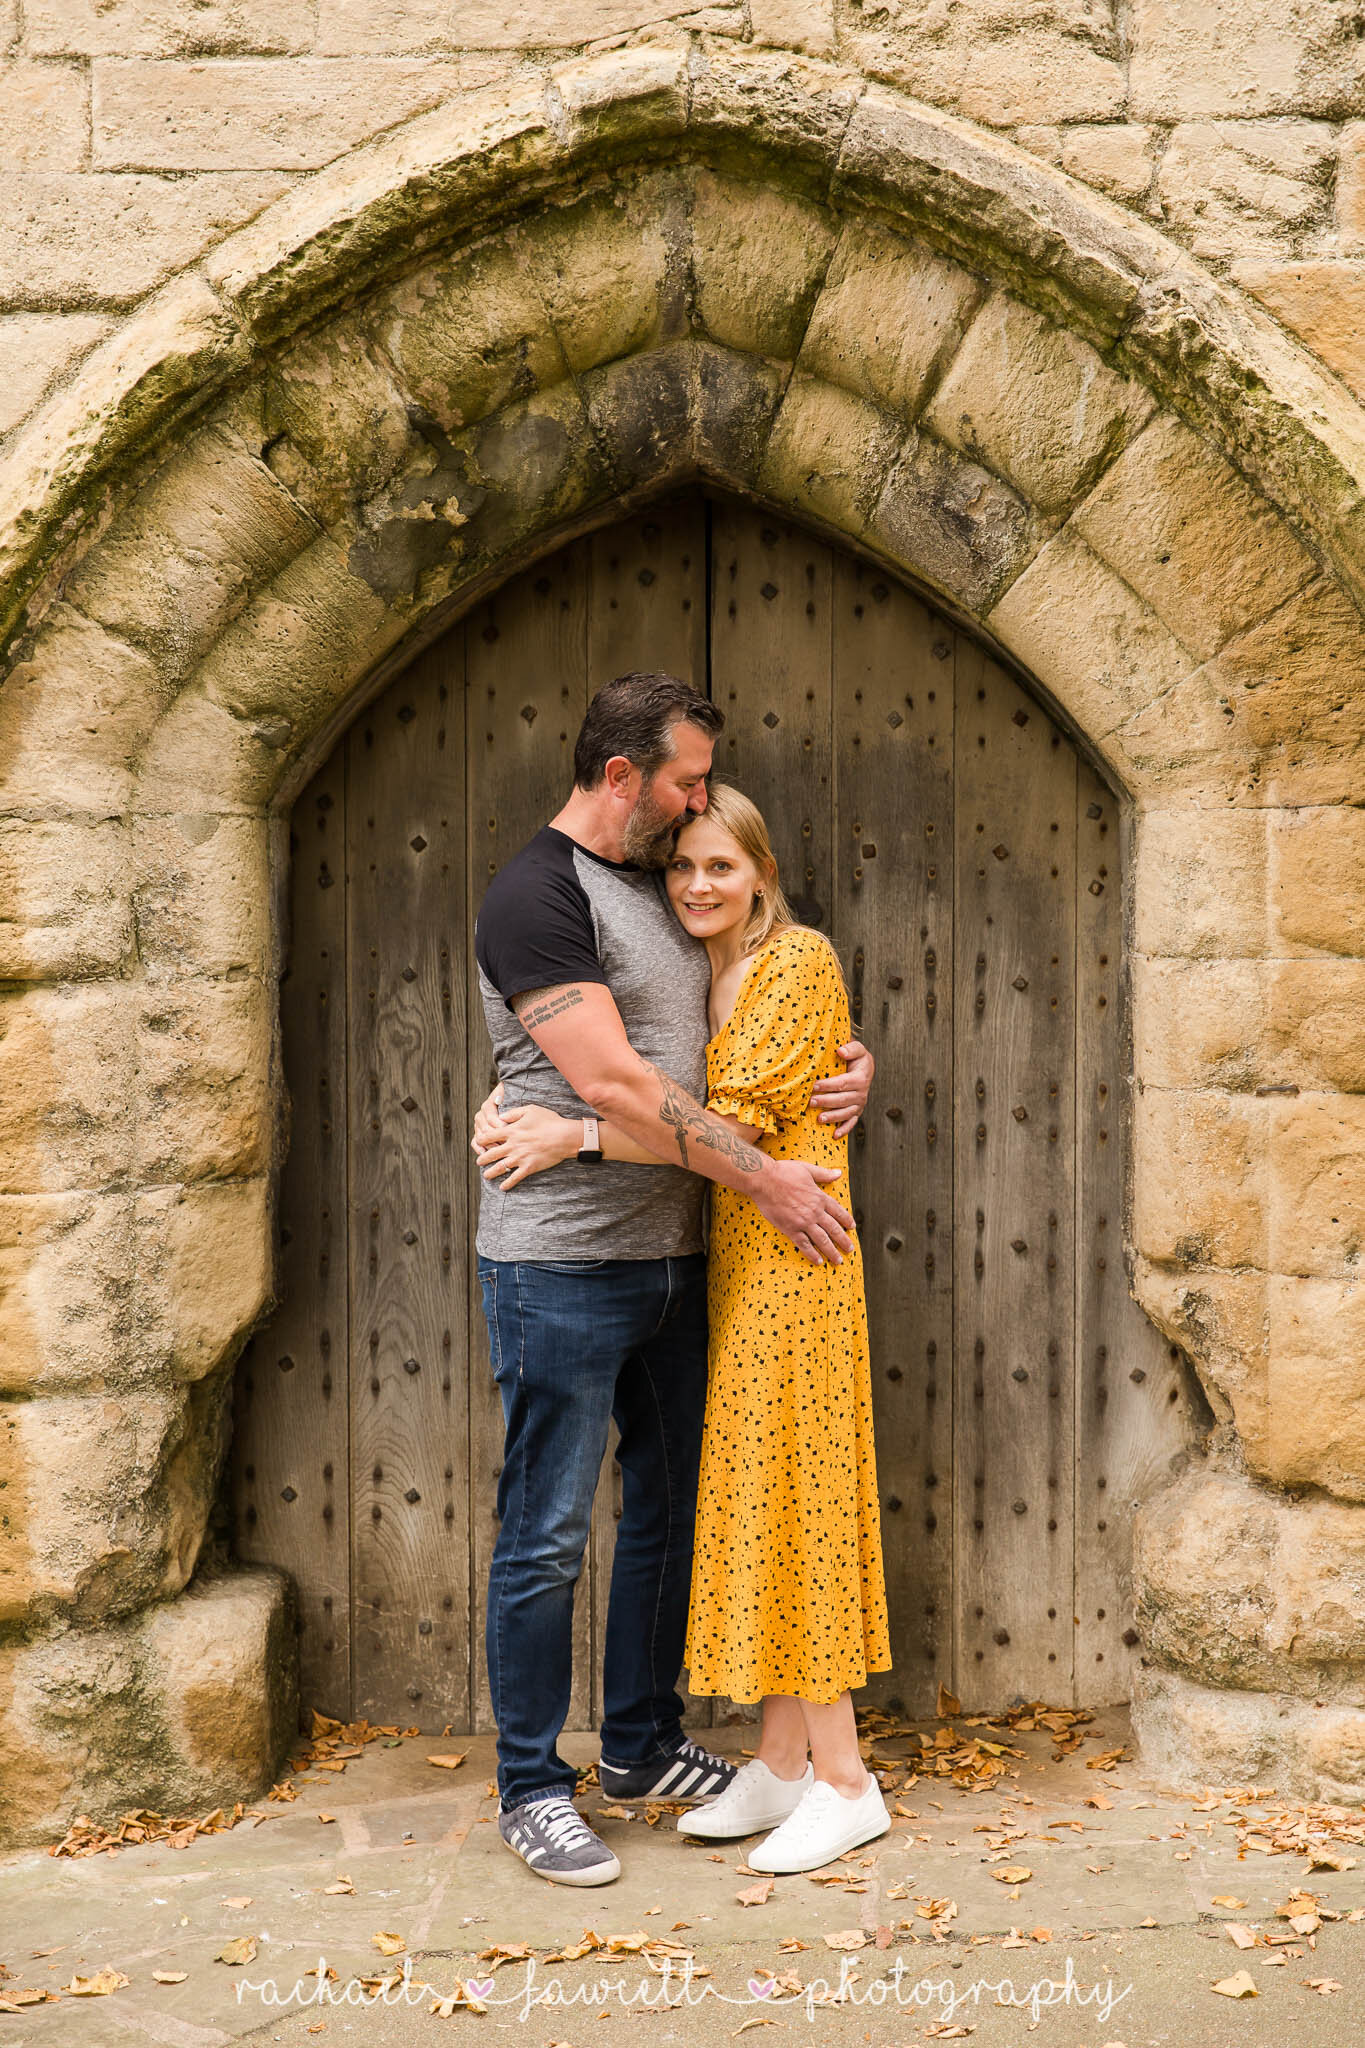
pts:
[590, 1152]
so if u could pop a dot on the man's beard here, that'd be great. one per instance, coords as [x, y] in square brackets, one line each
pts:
[649, 832]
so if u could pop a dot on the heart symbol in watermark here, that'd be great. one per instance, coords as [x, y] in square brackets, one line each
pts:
[478, 1987]
[761, 1987]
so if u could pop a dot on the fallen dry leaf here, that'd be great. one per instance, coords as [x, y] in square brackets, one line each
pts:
[238, 1905]
[513, 1952]
[1242, 1937]
[16, 2001]
[339, 1887]
[849, 1938]
[1240, 1986]
[325, 1818]
[241, 1949]
[169, 1976]
[1330, 1859]
[948, 1704]
[83, 1838]
[1226, 1899]
[935, 1909]
[99, 1986]
[1099, 1801]
[388, 1944]
[756, 1894]
[1013, 1873]
[448, 1763]
[1325, 1985]
[578, 1950]
[462, 1998]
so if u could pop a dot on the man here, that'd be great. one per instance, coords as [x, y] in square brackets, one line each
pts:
[594, 1275]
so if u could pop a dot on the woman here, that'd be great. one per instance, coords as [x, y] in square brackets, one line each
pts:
[788, 1598]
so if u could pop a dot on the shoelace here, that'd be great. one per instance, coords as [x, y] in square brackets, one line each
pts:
[734, 1791]
[564, 1826]
[694, 1754]
[812, 1811]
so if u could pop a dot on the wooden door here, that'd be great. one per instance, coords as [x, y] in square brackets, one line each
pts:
[965, 859]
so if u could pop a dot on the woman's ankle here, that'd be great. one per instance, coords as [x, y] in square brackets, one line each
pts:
[784, 1764]
[849, 1781]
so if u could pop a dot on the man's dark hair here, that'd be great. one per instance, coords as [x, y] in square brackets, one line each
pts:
[634, 716]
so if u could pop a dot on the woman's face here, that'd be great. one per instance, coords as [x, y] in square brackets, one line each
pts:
[711, 880]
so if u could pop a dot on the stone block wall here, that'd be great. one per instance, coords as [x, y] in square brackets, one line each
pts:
[1005, 291]
[139, 132]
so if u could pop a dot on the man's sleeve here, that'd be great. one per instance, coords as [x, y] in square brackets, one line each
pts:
[535, 930]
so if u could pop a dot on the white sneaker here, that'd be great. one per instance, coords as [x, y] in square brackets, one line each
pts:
[755, 1798]
[823, 1826]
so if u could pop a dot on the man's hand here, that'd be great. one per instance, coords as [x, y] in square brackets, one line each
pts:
[791, 1195]
[842, 1098]
[578, 1028]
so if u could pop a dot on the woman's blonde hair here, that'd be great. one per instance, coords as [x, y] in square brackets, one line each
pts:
[740, 816]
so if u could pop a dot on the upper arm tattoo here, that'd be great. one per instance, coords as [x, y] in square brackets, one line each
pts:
[686, 1118]
[541, 1006]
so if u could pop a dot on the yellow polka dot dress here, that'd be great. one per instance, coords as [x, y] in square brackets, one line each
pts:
[788, 1594]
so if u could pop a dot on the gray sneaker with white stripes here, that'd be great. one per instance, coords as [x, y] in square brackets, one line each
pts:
[689, 1772]
[553, 1839]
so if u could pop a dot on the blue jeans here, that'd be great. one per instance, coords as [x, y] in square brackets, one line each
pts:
[575, 1342]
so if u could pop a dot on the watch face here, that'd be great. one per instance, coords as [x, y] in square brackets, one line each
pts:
[590, 1158]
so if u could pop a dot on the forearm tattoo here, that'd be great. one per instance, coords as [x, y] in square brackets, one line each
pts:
[544, 1005]
[686, 1118]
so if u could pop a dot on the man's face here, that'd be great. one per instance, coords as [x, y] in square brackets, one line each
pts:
[676, 790]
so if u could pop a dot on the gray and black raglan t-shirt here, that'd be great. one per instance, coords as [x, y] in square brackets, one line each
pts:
[556, 914]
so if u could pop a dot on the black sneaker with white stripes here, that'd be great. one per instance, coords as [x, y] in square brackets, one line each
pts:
[690, 1772]
[553, 1839]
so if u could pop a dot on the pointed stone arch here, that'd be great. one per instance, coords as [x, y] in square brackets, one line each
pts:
[399, 385]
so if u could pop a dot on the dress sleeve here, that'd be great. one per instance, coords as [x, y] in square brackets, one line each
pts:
[778, 1040]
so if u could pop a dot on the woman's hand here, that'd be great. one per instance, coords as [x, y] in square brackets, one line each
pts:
[842, 1098]
[524, 1141]
[487, 1118]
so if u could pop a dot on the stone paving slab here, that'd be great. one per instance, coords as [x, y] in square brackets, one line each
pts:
[422, 1852]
